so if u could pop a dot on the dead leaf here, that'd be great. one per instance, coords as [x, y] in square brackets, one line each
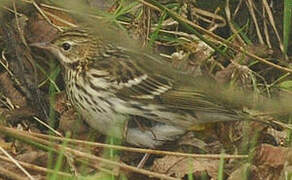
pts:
[181, 166]
[270, 161]
[271, 156]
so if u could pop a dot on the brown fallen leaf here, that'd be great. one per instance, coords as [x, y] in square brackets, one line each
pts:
[271, 156]
[287, 170]
[181, 166]
[270, 161]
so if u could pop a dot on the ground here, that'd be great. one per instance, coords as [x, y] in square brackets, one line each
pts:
[242, 45]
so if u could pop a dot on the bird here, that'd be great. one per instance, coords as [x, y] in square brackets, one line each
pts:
[132, 94]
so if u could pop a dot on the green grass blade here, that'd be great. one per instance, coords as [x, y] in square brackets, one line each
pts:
[287, 23]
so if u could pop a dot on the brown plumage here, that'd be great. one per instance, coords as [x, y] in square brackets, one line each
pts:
[111, 85]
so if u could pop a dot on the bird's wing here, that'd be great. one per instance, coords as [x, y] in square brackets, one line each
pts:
[151, 82]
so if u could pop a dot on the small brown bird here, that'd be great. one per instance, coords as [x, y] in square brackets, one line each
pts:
[130, 94]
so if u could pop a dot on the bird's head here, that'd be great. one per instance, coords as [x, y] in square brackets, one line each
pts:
[71, 47]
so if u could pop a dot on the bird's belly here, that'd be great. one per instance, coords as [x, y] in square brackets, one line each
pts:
[97, 111]
[109, 114]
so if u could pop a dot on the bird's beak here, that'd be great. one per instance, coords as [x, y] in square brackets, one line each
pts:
[42, 45]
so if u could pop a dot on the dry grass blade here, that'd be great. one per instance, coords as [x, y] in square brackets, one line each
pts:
[228, 16]
[10, 175]
[266, 31]
[17, 164]
[141, 150]
[37, 168]
[216, 40]
[47, 126]
[44, 15]
[26, 137]
[272, 21]
[151, 3]
[251, 7]
[60, 19]
[216, 37]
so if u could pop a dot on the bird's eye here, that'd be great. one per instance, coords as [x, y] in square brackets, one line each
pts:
[66, 46]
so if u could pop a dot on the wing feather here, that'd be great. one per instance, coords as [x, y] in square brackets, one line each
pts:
[139, 83]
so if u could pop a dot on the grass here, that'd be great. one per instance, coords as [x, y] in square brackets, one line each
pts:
[125, 16]
[287, 23]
